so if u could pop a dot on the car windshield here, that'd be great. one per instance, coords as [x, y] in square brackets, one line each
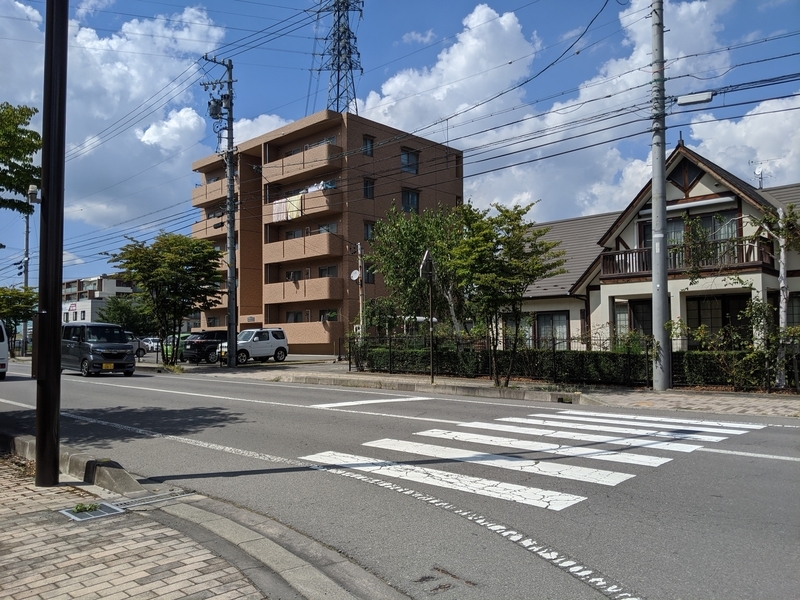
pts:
[244, 336]
[103, 333]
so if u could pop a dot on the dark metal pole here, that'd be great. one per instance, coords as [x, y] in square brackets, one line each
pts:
[51, 246]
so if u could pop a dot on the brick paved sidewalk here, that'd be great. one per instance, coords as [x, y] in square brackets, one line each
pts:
[45, 555]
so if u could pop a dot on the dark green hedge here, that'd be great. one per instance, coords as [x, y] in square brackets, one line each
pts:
[740, 369]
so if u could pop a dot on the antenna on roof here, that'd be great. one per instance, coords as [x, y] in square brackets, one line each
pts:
[759, 171]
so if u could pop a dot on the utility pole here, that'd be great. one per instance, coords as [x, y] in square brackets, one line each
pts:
[47, 349]
[662, 356]
[33, 193]
[361, 291]
[217, 108]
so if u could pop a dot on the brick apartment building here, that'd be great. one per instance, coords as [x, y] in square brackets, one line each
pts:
[308, 194]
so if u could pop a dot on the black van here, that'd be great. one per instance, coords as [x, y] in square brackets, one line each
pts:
[93, 348]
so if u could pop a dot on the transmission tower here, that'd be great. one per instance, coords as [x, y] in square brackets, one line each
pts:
[341, 55]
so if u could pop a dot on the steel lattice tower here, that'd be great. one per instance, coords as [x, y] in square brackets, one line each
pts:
[341, 54]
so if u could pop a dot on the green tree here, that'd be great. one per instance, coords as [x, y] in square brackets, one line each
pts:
[178, 276]
[18, 144]
[400, 242]
[133, 312]
[498, 258]
[17, 306]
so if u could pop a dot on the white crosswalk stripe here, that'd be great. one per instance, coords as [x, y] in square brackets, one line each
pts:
[592, 453]
[463, 483]
[551, 425]
[550, 469]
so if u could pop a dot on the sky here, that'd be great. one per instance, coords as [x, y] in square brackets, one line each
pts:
[549, 105]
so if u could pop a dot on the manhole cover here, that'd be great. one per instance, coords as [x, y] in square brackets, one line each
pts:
[103, 510]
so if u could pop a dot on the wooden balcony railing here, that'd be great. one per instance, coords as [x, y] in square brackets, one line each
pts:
[714, 254]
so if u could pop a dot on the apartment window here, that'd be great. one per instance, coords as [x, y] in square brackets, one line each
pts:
[369, 145]
[328, 228]
[329, 314]
[83, 315]
[294, 316]
[293, 234]
[212, 321]
[369, 273]
[369, 230]
[75, 316]
[409, 161]
[369, 188]
[293, 276]
[65, 317]
[332, 271]
[410, 201]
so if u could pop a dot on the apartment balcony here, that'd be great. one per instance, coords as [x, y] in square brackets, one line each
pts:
[215, 191]
[206, 229]
[309, 246]
[318, 203]
[313, 333]
[713, 256]
[306, 163]
[304, 290]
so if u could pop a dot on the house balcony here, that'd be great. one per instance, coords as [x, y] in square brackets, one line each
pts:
[304, 290]
[718, 255]
[215, 191]
[316, 203]
[306, 163]
[309, 246]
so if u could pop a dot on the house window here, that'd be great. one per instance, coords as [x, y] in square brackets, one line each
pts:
[718, 312]
[793, 311]
[369, 273]
[642, 316]
[293, 276]
[409, 161]
[369, 188]
[369, 230]
[75, 316]
[83, 315]
[329, 314]
[369, 145]
[552, 330]
[65, 317]
[328, 228]
[621, 318]
[332, 271]
[410, 201]
[294, 316]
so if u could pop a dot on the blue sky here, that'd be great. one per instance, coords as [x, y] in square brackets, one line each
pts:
[548, 104]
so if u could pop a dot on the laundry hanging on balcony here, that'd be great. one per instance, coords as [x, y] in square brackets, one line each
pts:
[294, 206]
[279, 210]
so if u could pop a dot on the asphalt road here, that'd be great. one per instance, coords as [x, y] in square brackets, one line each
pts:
[452, 497]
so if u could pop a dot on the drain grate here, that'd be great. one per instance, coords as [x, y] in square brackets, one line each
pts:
[152, 499]
[103, 510]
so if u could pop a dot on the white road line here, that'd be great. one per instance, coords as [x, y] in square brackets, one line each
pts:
[584, 437]
[666, 419]
[681, 430]
[462, 483]
[625, 430]
[504, 442]
[751, 454]
[362, 402]
[549, 469]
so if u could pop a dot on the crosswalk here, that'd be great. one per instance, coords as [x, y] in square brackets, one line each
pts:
[655, 438]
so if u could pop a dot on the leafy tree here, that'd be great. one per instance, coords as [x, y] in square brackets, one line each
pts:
[400, 242]
[178, 276]
[496, 261]
[17, 306]
[18, 144]
[133, 312]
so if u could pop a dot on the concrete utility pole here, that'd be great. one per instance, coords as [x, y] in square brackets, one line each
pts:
[361, 293]
[47, 349]
[216, 108]
[662, 357]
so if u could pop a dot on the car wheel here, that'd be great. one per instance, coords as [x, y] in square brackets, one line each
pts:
[85, 368]
[140, 352]
[2, 375]
[212, 357]
[128, 373]
[280, 355]
[181, 358]
[242, 356]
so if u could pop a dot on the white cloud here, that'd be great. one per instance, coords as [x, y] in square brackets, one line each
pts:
[180, 130]
[414, 37]
[246, 129]
[88, 7]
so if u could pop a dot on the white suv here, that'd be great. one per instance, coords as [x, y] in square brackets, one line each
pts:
[259, 344]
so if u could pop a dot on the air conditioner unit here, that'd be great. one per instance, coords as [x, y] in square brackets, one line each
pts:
[308, 231]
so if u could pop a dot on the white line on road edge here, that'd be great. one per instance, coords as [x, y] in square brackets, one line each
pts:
[751, 454]
[362, 402]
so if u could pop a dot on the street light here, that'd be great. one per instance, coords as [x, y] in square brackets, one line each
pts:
[33, 198]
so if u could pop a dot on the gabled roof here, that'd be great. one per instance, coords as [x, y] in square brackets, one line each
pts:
[577, 237]
[741, 188]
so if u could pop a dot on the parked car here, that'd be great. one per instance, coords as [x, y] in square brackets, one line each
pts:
[153, 344]
[93, 348]
[139, 347]
[203, 346]
[167, 347]
[3, 352]
[260, 345]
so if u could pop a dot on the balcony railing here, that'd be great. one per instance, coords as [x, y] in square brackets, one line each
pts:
[714, 254]
[304, 290]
